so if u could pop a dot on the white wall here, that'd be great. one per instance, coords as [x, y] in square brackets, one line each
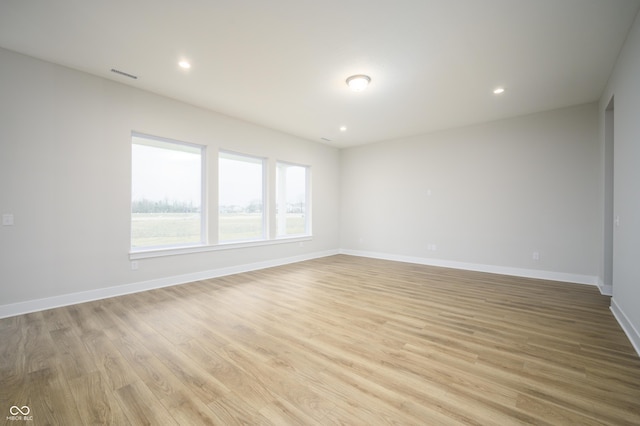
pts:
[65, 159]
[499, 192]
[624, 86]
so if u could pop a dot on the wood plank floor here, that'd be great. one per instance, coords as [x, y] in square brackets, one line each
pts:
[338, 340]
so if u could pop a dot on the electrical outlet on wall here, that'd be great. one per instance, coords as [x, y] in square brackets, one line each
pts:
[7, 219]
[536, 256]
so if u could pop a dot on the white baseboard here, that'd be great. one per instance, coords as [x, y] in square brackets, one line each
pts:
[605, 289]
[627, 325]
[104, 293]
[502, 270]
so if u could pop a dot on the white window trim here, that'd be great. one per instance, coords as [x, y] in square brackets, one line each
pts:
[267, 238]
[204, 211]
[265, 202]
[307, 202]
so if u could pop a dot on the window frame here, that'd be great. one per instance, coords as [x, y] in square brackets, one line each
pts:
[161, 143]
[210, 209]
[307, 199]
[265, 203]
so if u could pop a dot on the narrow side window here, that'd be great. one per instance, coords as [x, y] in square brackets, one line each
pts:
[292, 195]
[241, 192]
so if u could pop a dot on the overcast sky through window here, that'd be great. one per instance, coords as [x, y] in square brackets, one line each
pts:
[159, 174]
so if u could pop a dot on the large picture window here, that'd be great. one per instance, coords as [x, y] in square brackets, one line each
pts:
[241, 209]
[167, 206]
[169, 211]
[292, 183]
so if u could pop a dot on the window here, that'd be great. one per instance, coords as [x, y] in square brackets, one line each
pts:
[166, 193]
[292, 199]
[169, 211]
[240, 198]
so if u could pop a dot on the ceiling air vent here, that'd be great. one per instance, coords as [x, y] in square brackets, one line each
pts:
[126, 74]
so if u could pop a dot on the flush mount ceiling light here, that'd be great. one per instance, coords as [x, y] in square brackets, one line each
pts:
[343, 128]
[498, 90]
[358, 82]
[184, 64]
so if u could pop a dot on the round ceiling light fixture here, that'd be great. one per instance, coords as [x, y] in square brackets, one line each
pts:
[358, 82]
[498, 90]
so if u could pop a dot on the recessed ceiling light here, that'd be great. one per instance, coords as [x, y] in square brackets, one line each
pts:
[343, 128]
[498, 90]
[184, 64]
[358, 82]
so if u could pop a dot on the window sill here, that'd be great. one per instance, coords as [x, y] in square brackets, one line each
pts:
[175, 251]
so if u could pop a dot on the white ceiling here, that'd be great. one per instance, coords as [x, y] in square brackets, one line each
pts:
[283, 63]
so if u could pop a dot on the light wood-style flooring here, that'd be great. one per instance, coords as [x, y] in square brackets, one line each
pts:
[337, 340]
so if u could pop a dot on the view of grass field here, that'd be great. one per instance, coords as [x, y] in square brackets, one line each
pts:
[295, 224]
[160, 229]
[235, 227]
[164, 229]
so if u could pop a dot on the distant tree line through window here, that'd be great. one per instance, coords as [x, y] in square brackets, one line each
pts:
[163, 206]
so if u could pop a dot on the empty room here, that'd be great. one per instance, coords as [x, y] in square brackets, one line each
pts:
[287, 212]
